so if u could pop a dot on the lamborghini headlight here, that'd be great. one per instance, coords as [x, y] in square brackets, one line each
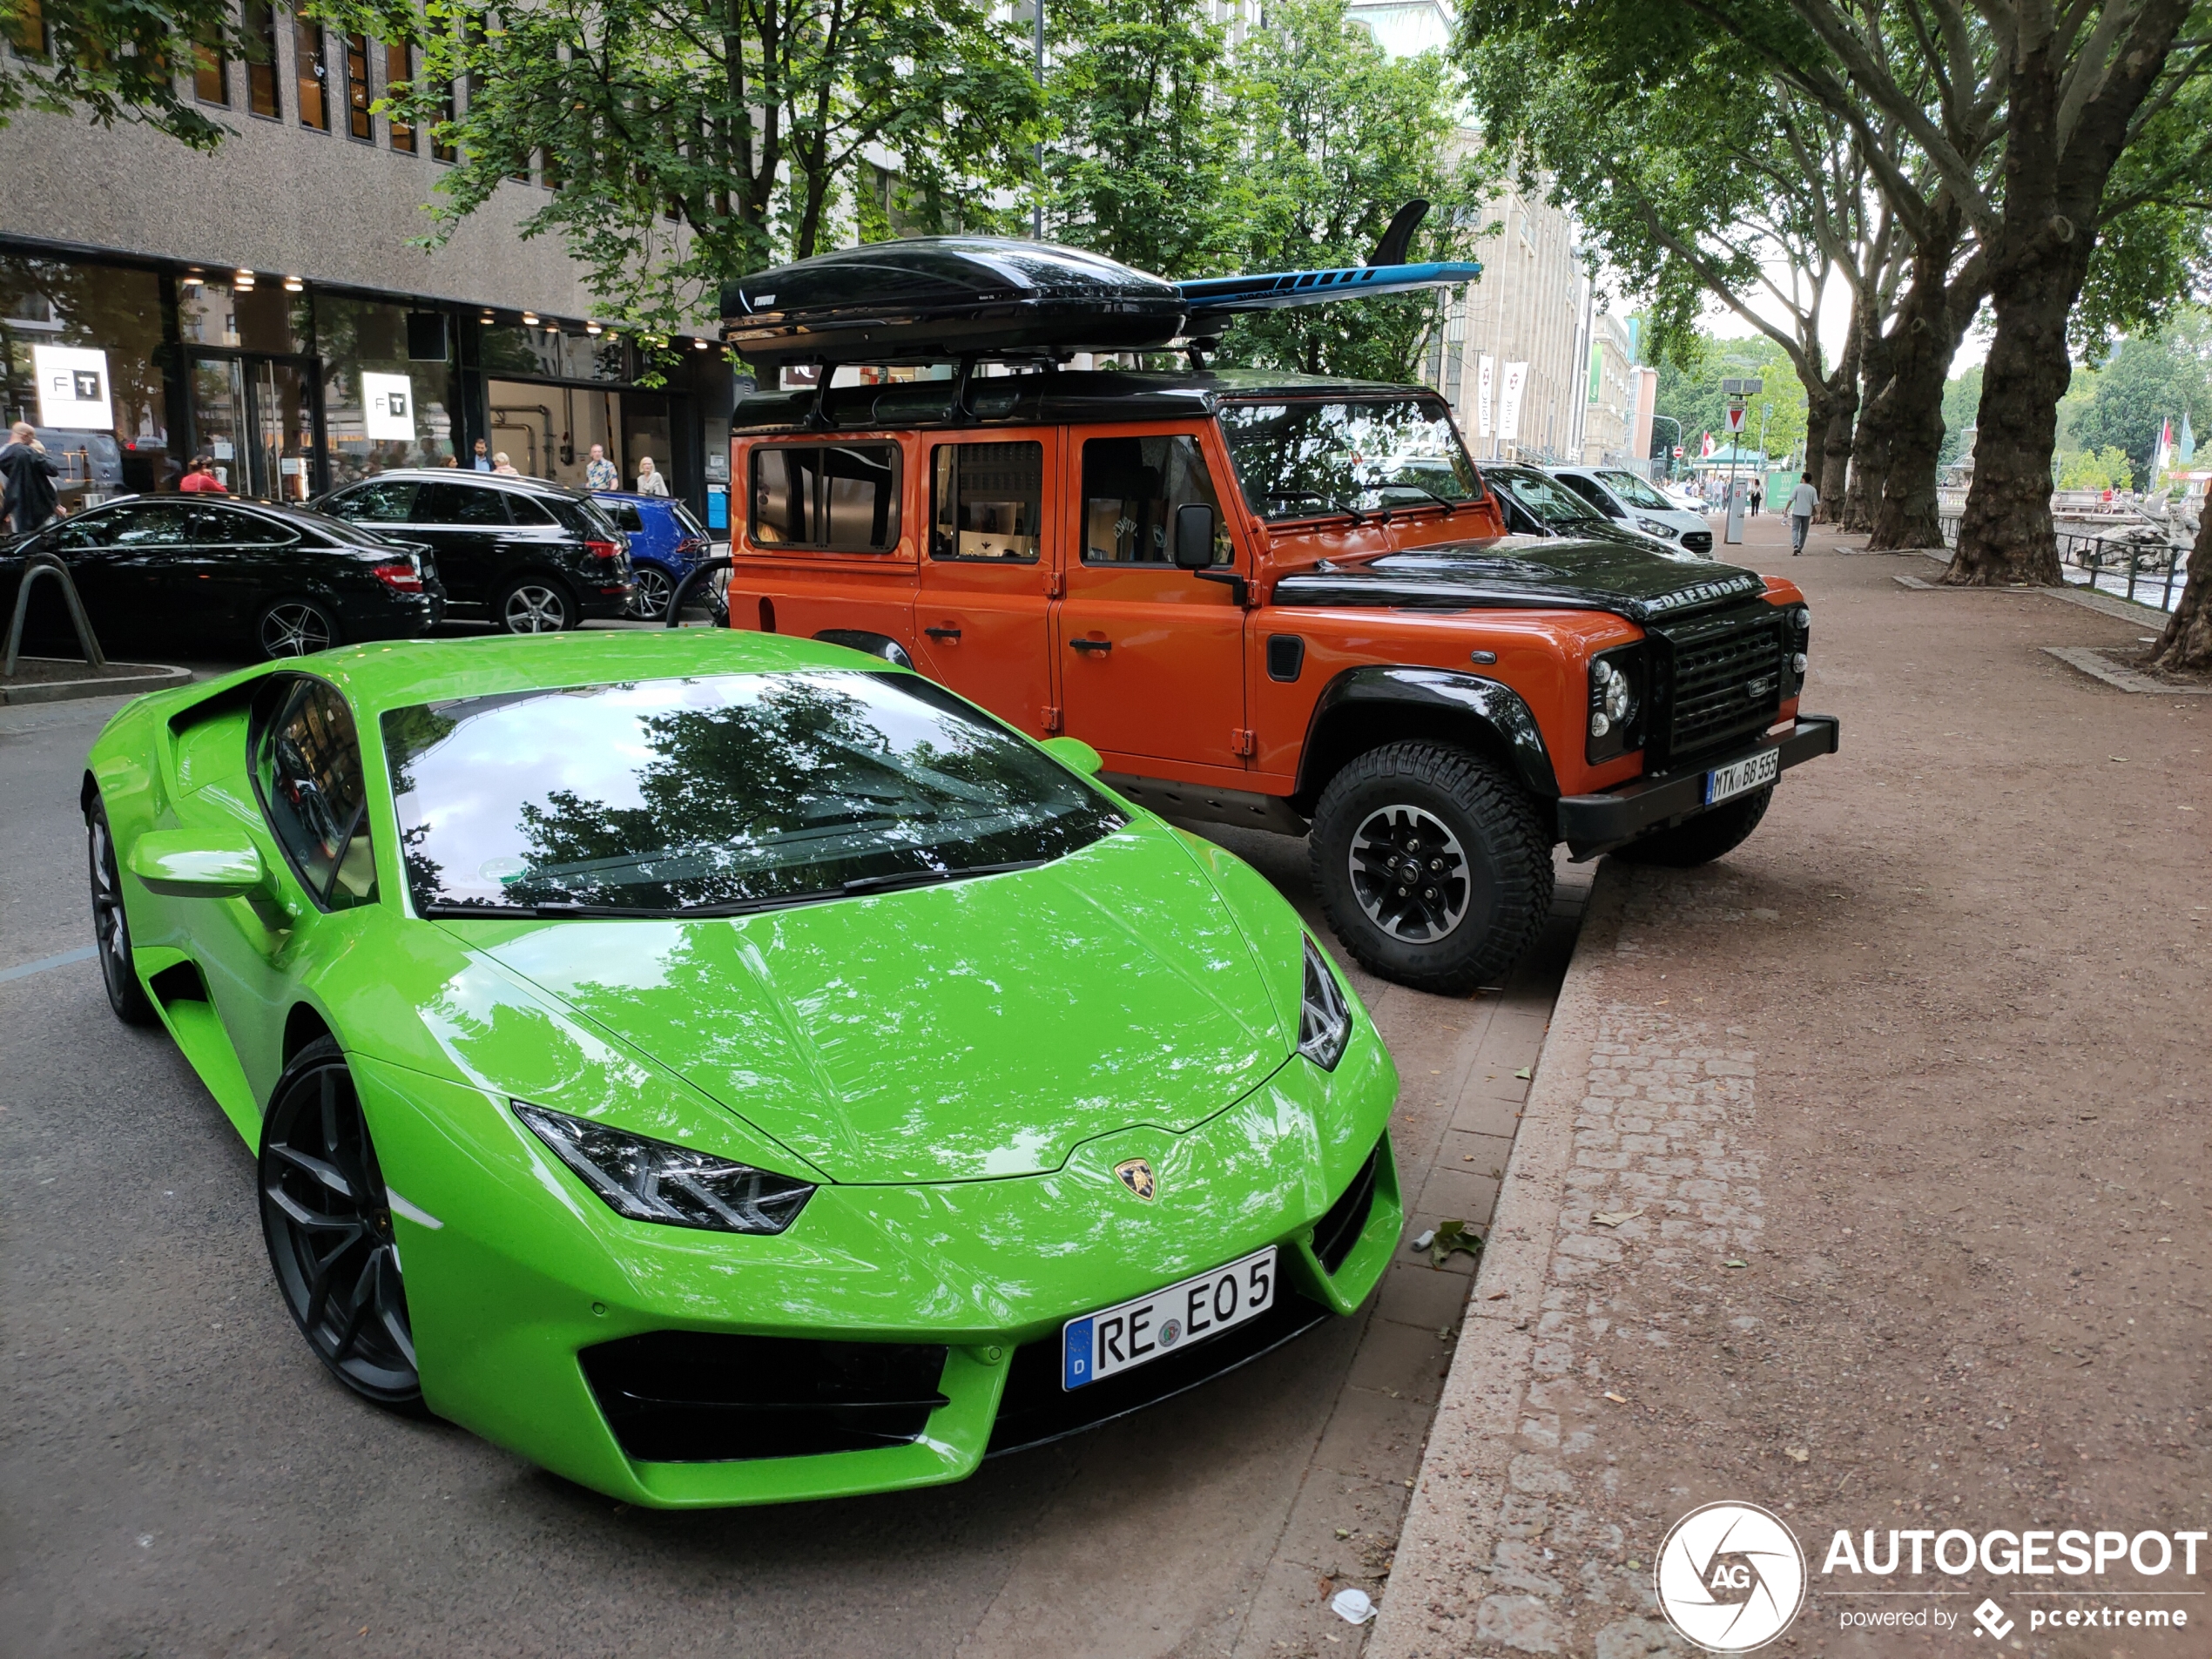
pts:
[1324, 1018]
[652, 1181]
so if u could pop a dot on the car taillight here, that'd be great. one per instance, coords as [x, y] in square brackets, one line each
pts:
[603, 550]
[401, 576]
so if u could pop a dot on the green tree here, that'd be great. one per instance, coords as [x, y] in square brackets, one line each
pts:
[1690, 391]
[1143, 163]
[1961, 397]
[117, 60]
[1338, 135]
[692, 141]
[2106, 468]
[2145, 383]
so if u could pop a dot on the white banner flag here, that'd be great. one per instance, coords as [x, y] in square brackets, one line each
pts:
[1509, 402]
[1485, 374]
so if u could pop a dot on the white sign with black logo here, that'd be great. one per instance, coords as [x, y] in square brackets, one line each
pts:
[73, 390]
[388, 406]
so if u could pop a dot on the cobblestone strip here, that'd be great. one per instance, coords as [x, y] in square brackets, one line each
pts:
[1631, 1161]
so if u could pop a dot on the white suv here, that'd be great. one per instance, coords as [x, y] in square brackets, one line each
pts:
[1620, 494]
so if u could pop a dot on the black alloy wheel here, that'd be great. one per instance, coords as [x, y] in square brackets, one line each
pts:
[534, 605]
[329, 1223]
[110, 927]
[295, 627]
[654, 591]
[1433, 864]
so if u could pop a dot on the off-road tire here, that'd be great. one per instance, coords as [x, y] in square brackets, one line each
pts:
[1703, 839]
[1503, 841]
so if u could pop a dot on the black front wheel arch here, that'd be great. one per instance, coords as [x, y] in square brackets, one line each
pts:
[327, 1221]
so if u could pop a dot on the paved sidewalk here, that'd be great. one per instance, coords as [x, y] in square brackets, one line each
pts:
[1896, 1115]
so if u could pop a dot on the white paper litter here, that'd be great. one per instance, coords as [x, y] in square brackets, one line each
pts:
[1425, 1240]
[1354, 1607]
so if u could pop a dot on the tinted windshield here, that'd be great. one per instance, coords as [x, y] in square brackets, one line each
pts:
[1546, 497]
[739, 789]
[1633, 490]
[1298, 460]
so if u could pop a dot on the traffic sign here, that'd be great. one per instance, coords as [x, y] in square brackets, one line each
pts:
[1752, 388]
[1678, 452]
[1736, 418]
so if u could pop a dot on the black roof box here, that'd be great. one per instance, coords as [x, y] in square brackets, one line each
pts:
[936, 298]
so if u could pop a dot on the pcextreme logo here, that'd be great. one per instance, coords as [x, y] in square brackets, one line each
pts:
[1730, 1577]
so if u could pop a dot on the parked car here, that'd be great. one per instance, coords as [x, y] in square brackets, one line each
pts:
[666, 544]
[733, 1070]
[1684, 496]
[186, 574]
[1538, 504]
[1620, 495]
[526, 556]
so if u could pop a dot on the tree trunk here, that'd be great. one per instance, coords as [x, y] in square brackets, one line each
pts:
[2187, 643]
[1870, 451]
[1820, 421]
[2006, 534]
[1929, 324]
[1831, 466]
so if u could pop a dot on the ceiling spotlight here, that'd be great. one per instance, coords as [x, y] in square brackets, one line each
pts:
[698, 345]
[489, 317]
[293, 285]
[593, 328]
[529, 320]
[243, 282]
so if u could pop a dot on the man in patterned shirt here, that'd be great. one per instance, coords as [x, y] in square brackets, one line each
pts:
[599, 472]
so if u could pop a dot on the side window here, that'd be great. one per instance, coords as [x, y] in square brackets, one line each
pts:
[390, 501]
[75, 535]
[836, 497]
[227, 527]
[149, 524]
[1131, 487]
[1588, 491]
[624, 514]
[985, 501]
[307, 765]
[445, 504]
[523, 508]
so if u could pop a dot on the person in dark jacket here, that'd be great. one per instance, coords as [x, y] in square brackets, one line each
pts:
[27, 475]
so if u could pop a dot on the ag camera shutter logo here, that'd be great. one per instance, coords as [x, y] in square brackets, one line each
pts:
[1730, 1577]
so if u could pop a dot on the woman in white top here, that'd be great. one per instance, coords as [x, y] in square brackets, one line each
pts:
[650, 482]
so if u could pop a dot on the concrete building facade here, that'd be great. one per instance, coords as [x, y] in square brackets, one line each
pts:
[264, 304]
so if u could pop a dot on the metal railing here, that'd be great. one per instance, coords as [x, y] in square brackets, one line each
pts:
[2149, 573]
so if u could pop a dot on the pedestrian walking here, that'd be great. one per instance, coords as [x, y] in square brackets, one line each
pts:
[599, 472]
[27, 474]
[482, 462]
[504, 467]
[1758, 495]
[650, 482]
[1802, 500]
[199, 478]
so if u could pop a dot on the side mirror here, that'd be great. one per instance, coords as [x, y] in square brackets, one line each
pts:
[1193, 537]
[1075, 754]
[198, 864]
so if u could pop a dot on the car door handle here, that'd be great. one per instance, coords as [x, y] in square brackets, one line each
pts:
[942, 633]
[1092, 645]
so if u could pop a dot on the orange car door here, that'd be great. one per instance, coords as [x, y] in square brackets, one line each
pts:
[1152, 656]
[988, 563]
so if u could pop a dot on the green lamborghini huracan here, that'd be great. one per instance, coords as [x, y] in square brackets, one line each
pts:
[726, 1068]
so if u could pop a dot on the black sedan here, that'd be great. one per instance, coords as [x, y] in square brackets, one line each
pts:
[1536, 503]
[189, 575]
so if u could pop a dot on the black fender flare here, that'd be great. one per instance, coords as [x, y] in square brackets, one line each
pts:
[1491, 703]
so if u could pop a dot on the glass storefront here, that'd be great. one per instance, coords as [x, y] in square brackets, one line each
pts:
[81, 360]
[289, 389]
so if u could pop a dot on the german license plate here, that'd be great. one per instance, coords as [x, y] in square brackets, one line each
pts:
[1743, 776]
[1136, 1333]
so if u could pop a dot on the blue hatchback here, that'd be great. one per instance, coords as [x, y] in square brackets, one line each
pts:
[665, 543]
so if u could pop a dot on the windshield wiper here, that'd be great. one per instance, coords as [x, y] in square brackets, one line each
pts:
[1449, 507]
[930, 878]
[551, 907]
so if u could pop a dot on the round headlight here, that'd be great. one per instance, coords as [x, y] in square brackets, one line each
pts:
[1617, 697]
[1599, 725]
[1797, 663]
[1802, 617]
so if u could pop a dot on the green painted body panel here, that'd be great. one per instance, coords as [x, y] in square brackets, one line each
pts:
[959, 1067]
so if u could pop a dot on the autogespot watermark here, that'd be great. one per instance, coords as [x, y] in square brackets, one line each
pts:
[1731, 1577]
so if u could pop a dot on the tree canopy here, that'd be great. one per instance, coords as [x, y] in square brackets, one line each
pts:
[118, 60]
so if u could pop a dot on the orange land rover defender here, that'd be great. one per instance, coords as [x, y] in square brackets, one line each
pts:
[1266, 599]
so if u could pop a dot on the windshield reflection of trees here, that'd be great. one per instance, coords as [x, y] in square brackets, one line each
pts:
[796, 790]
[1296, 459]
